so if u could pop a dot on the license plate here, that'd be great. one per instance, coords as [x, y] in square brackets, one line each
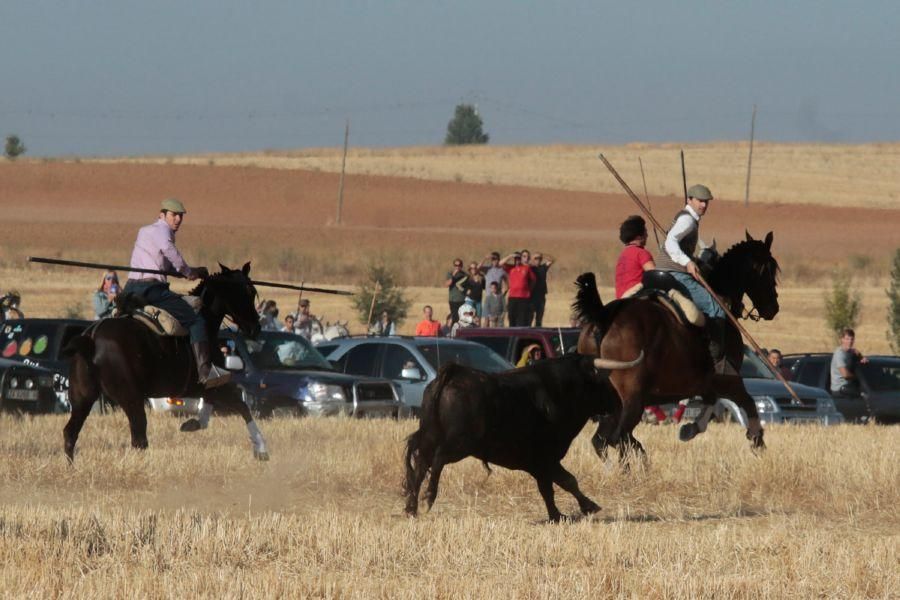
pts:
[22, 394]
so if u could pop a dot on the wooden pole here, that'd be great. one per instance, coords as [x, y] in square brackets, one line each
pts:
[683, 177]
[647, 198]
[340, 204]
[750, 157]
[372, 308]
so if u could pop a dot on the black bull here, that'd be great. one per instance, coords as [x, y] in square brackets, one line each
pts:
[524, 419]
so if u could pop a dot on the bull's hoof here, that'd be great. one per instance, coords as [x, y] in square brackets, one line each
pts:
[261, 456]
[688, 432]
[191, 425]
[591, 508]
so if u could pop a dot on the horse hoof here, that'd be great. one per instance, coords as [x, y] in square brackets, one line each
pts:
[261, 456]
[688, 432]
[191, 425]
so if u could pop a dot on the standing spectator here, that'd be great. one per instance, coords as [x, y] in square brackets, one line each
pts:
[493, 307]
[494, 272]
[844, 361]
[305, 323]
[475, 287]
[268, 316]
[428, 327]
[384, 326]
[447, 327]
[634, 259]
[105, 296]
[540, 266]
[288, 324]
[456, 284]
[521, 279]
[466, 318]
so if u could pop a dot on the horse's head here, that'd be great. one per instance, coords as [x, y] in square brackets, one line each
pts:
[230, 292]
[759, 273]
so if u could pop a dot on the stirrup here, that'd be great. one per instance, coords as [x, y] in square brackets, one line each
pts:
[216, 377]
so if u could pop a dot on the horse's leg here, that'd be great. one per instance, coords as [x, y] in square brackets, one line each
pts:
[567, 481]
[689, 431]
[419, 456]
[227, 398]
[202, 419]
[84, 389]
[731, 386]
[81, 408]
[133, 405]
[437, 466]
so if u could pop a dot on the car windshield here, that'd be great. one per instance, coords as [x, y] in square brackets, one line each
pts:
[439, 353]
[274, 350]
[753, 366]
[882, 375]
[569, 345]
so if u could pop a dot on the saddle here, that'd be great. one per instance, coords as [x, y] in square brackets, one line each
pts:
[159, 321]
[661, 287]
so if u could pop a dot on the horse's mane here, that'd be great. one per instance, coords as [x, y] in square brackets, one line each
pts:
[212, 278]
[727, 269]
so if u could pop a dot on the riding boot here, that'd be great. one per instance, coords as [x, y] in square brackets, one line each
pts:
[209, 375]
[715, 332]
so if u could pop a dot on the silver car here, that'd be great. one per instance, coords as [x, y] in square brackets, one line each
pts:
[176, 406]
[411, 363]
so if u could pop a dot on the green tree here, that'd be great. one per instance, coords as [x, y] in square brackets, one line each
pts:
[465, 127]
[893, 294]
[390, 297]
[842, 306]
[14, 147]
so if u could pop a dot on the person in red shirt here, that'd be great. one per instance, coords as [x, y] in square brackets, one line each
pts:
[428, 327]
[521, 280]
[634, 259]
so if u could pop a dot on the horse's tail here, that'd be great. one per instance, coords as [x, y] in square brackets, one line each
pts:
[588, 306]
[83, 381]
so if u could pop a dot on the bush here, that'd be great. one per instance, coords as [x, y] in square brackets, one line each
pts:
[14, 147]
[893, 293]
[391, 297]
[841, 306]
[465, 127]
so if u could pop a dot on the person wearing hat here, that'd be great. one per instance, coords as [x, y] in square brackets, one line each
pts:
[155, 249]
[677, 257]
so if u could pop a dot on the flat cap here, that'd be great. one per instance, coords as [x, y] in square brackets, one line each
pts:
[174, 205]
[700, 192]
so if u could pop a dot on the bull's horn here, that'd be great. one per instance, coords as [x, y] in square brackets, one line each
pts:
[607, 363]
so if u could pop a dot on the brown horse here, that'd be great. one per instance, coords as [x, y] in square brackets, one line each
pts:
[677, 364]
[128, 363]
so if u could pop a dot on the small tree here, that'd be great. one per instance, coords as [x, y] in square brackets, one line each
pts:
[841, 306]
[390, 297]
[893, 294]
[14, 147]
[465, 127]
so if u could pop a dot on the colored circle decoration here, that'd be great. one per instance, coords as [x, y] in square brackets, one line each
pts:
[25, 348]
[10, 349]
[40, 345]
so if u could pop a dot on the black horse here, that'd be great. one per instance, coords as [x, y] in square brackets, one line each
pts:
[677, 364]
[128, 363]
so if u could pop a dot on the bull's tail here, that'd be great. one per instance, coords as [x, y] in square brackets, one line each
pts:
[421, 445]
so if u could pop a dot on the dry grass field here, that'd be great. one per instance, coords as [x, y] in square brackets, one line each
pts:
[814, 516]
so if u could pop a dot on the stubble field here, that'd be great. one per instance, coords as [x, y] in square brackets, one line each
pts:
[814, 516]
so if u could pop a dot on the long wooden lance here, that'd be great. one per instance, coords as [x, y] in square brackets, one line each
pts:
[647, 198]
[712, 294]
[88, 265]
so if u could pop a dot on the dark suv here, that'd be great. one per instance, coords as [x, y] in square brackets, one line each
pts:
[27, 389]
[879, 379]
[510, 342]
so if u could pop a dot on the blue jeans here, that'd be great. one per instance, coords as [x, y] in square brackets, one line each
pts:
[157, 293]
[698, 295]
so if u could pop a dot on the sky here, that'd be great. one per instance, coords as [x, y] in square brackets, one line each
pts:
[128, 77]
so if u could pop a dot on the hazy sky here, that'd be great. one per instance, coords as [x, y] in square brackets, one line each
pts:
[130, 77]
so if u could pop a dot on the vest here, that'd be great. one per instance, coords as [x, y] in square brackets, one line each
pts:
[688, 245]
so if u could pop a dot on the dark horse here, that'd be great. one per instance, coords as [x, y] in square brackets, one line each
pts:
[677, 364]
[123, 359]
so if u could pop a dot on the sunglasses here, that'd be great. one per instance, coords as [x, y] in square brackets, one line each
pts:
[111, 278]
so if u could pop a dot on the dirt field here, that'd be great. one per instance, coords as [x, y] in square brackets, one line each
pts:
[196, 516]
[282, 220]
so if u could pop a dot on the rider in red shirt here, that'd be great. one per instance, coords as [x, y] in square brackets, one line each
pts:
[634, 259]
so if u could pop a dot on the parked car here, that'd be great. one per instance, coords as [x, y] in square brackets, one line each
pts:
[176, 405]
[282, 373]
[410, 362]
[879, 380]
[773, 402]
[27, 389]
[39, 343]
[510, 342]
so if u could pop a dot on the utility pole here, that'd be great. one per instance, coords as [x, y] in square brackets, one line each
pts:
[750, 157]
[340, 204]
